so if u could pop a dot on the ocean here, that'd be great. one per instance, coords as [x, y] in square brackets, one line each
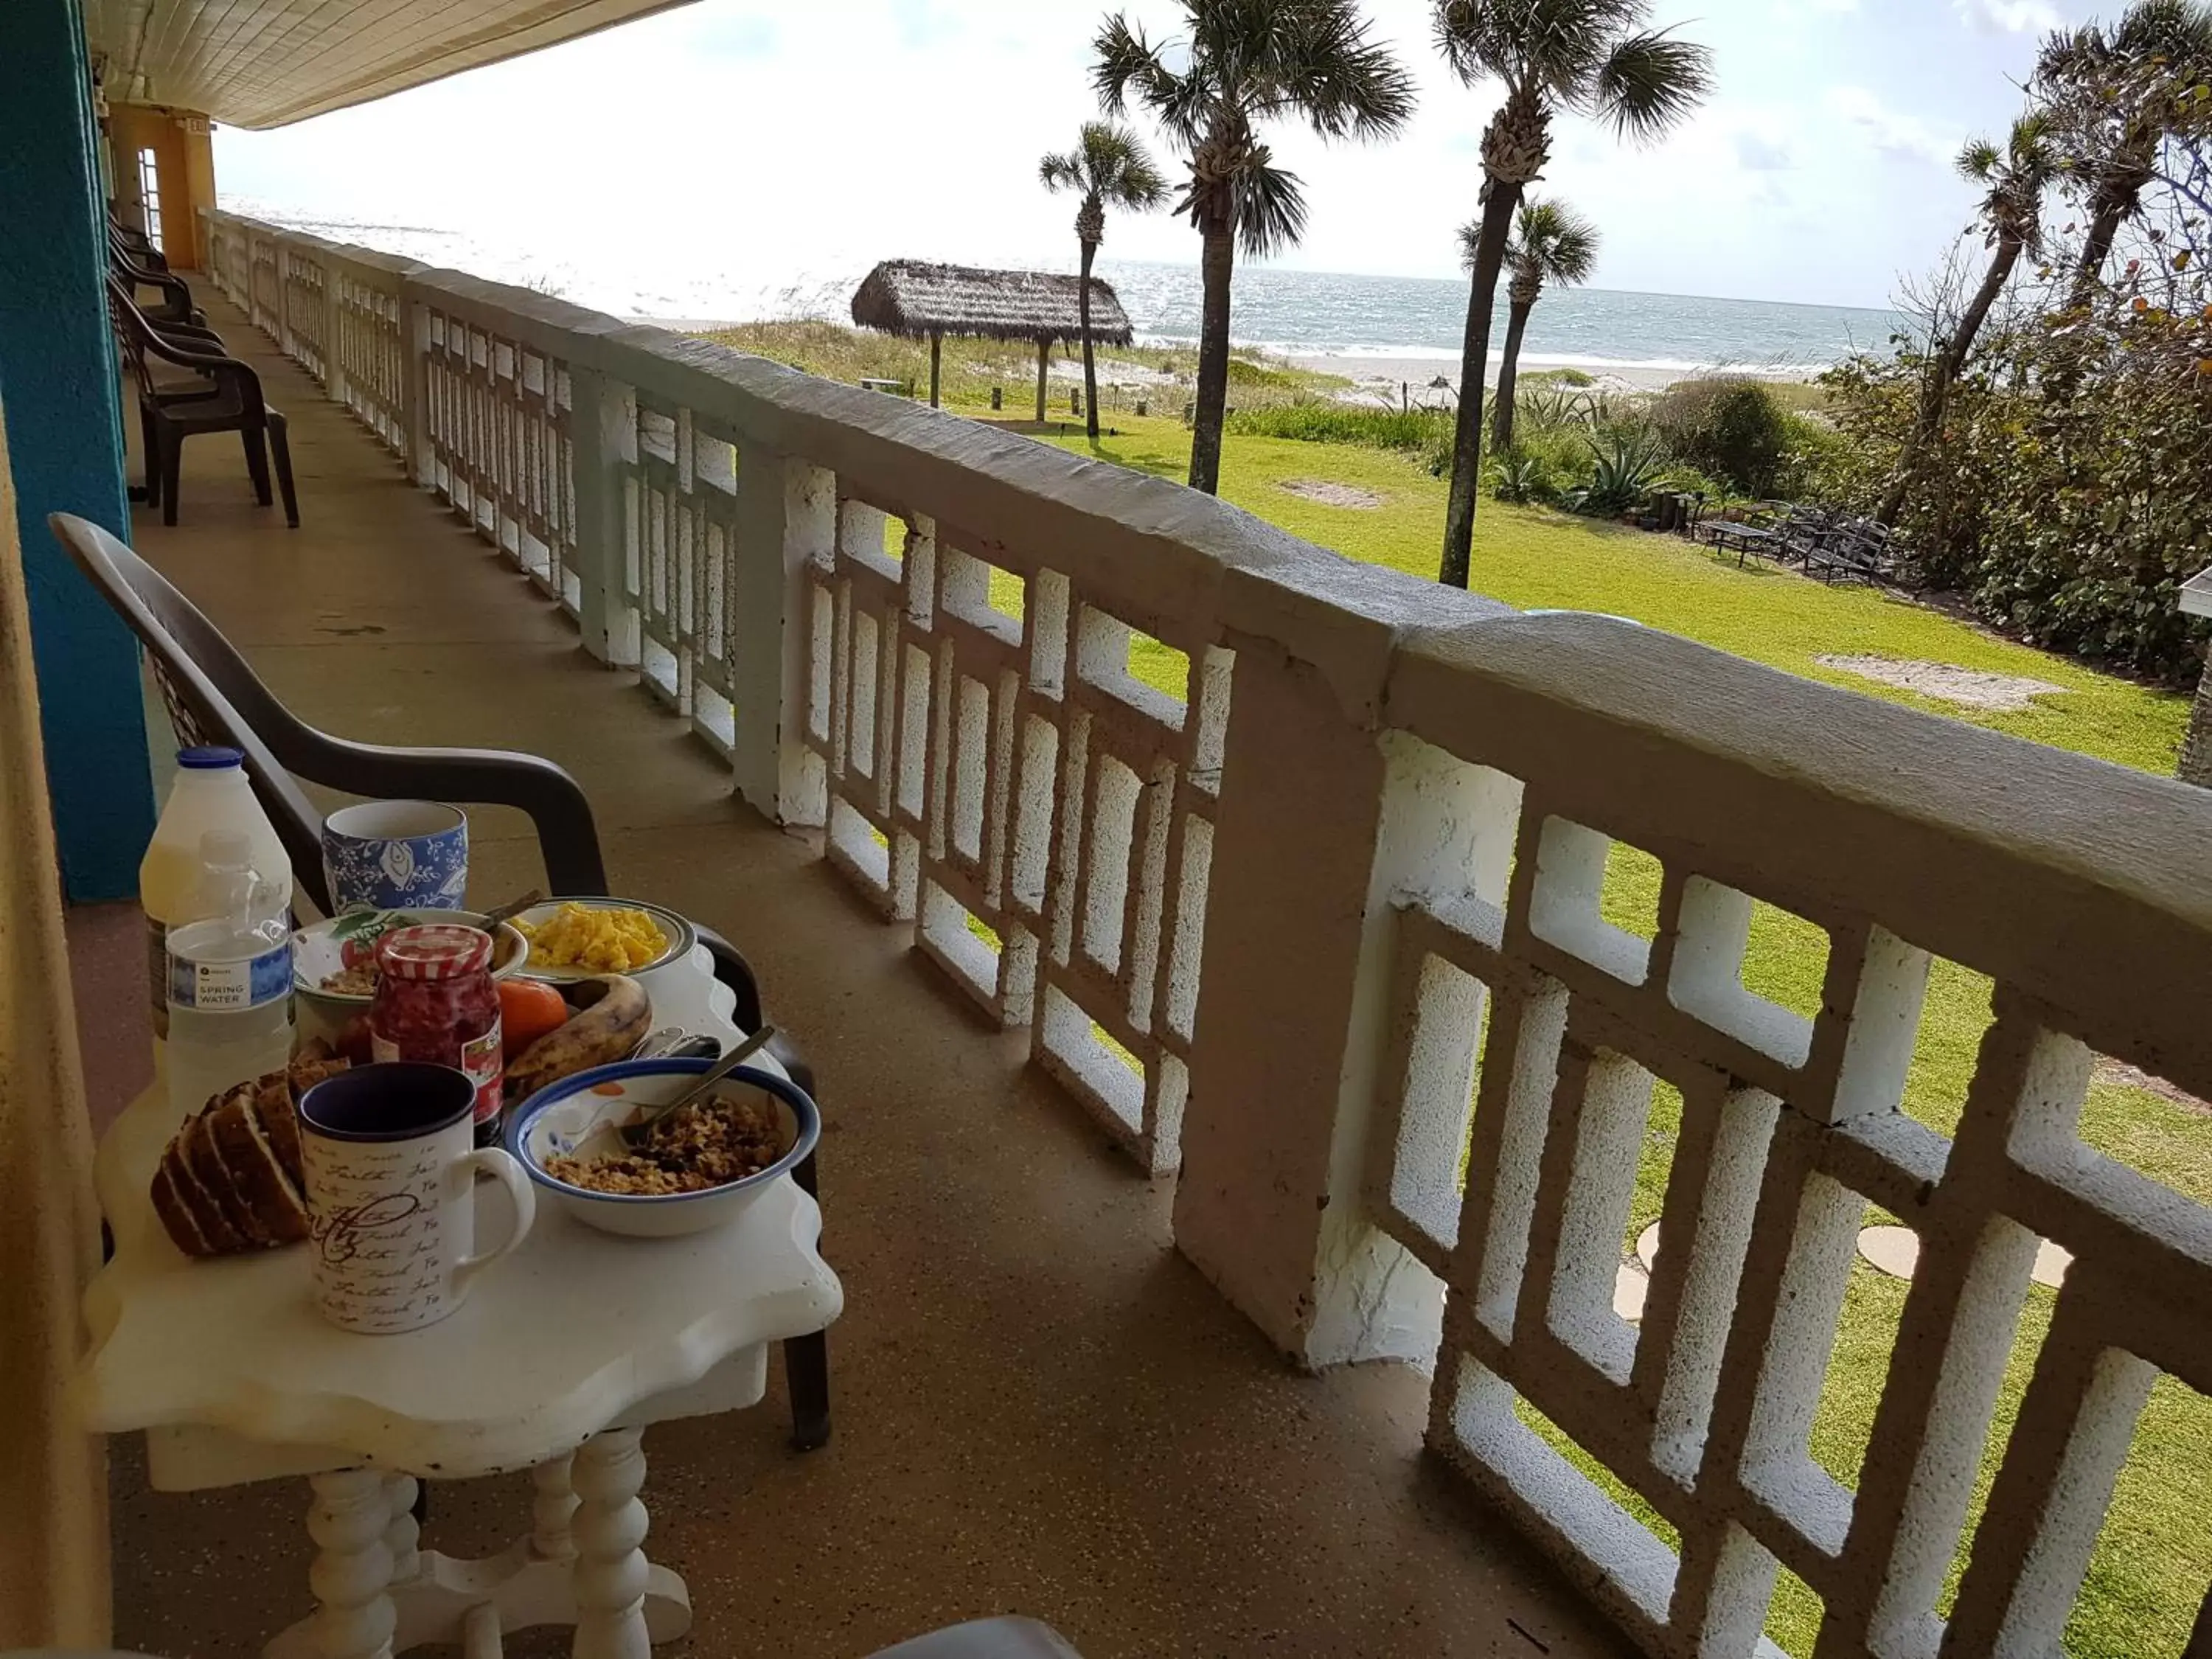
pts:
[1387, 327]
[1311, 313]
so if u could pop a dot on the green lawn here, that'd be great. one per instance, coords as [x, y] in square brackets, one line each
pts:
[2154, 1560]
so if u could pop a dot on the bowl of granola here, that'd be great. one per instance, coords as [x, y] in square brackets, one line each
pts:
[695, 1168]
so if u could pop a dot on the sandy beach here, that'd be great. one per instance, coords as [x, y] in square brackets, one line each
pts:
[1381, 374]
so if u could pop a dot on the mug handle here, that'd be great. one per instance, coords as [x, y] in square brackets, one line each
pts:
[503, 1168]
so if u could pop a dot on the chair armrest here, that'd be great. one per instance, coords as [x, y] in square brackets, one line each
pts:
[732, 969]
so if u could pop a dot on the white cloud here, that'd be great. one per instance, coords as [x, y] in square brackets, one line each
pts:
[1891, 132]
[2009, 16]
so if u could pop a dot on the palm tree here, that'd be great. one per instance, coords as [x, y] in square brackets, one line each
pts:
[1552, 243]
[1593, 57]
[2017, 177]
[2113, 92]
[1244, 63]
[1109, 167]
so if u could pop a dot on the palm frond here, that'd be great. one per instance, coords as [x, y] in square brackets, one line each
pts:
[1113, 164]
[1556, 243]
[1650, 84]
[1270, 210]
[1978, 161]
[1470, 245]
[1316, 61]
[2177, 29]
[1559, 45]
[1127, 65]
[1057, 172]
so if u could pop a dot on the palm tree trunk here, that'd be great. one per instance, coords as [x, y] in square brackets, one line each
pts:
[1218, 264]
[1943, 373]
[1044, 364]
[1090, 363]
[2195, 764]
[1508, 372]
[2104, 229]
[1474, 360]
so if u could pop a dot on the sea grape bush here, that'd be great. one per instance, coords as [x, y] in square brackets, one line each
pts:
[2069, 493]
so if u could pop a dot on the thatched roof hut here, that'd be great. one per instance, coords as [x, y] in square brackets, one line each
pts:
[915, 299]
[920, 300]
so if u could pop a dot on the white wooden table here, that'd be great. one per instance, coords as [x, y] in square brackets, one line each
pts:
[561, 1357]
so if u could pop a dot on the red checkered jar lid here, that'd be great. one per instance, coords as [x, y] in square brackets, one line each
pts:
[437, 951]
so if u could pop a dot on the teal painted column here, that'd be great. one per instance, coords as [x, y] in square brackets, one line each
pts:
[58, 385]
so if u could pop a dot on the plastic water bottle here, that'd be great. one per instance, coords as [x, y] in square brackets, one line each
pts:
[211, 792]
[229, 975]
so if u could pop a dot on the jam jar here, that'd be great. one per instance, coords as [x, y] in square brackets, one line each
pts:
[436, 1002]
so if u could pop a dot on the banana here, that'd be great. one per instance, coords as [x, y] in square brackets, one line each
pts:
[612, 1014]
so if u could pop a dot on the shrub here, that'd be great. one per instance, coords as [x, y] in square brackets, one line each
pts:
[2069, 520]
[1817, 460]
[1625, 464]
[1520, 477]
[1733, 429]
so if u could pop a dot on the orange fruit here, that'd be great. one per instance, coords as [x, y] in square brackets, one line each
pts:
[527, 1011]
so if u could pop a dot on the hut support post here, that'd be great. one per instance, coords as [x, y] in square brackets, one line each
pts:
[1044, 363]
[936, 364]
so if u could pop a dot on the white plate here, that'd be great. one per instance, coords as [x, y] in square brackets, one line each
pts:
[677, 934]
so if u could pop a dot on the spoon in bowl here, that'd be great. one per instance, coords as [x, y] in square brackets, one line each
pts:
[634, 1132]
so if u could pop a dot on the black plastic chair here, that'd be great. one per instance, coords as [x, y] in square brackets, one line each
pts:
[175, 305]
[214, 696]
[221, 394]
[136, 242]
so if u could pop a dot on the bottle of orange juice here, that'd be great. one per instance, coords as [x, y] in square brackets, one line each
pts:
[211, 793]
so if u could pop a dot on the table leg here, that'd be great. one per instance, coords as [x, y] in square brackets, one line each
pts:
[402, 1533]
[552, 1506]
[352, 1573]
[611, 1574]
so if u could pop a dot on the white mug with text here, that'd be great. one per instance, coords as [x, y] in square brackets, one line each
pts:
[392, 1165]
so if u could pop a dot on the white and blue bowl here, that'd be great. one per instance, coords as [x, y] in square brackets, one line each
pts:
[557, 1120]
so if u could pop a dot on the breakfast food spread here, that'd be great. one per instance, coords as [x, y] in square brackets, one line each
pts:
[707, 1144]
[603, 938]
[229, 1179]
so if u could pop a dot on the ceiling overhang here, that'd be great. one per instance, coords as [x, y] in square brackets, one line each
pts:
[265, 63]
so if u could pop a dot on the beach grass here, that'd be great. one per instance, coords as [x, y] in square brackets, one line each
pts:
[1163, 375]
[2153, 1560]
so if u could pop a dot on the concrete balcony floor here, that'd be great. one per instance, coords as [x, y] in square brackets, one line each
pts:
[1040, 1406]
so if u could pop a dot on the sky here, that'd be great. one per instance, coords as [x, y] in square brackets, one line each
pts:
[757, 146]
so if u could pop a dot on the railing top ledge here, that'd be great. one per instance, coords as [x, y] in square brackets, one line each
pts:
[2089, 882]
[1157, 554]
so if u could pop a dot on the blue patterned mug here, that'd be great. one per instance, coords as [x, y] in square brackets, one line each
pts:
[397, 856]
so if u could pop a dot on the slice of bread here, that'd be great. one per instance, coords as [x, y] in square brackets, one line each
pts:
[279, 1120]
[214, 1225]
[196, 1140]
[264, 1193]
[176, 1214]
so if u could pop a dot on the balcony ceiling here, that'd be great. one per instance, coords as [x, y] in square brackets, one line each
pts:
[263, 63]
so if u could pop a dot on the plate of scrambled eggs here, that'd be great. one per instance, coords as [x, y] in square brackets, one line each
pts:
[582, 937]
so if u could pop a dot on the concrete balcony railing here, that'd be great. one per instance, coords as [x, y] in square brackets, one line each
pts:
[1271, 931]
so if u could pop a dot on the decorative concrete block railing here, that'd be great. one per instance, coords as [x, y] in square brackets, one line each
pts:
[1271, 932]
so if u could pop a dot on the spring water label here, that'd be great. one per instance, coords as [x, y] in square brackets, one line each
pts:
[232, 986]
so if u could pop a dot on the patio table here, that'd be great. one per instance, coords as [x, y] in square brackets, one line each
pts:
[561, 1355]
[1746, 537]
